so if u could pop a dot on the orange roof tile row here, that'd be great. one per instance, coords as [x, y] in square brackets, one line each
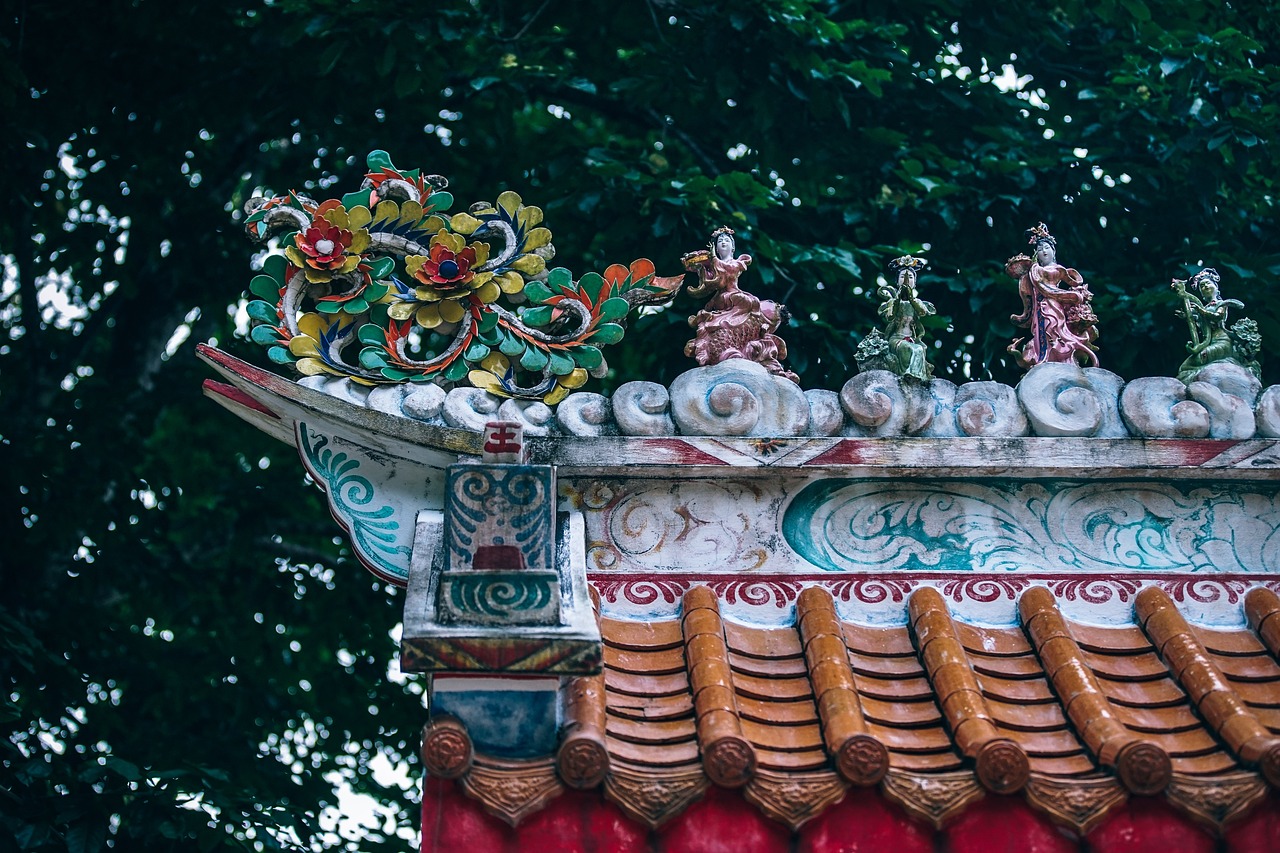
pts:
[937, 712]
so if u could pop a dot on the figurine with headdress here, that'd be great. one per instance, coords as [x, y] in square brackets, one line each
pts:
[733, 324]
[1056, 307]
[901, 347]
[1211, 340]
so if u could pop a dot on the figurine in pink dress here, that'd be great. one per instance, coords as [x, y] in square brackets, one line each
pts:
[1055, 307]
[733, 324]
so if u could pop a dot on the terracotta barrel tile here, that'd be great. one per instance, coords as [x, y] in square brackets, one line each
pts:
[717, 722]
[972, 733]
[1060, 742]
[1145, 694]
[769, 711]
[1218, 706]
[708, 671]
[831, 673]
[1165, 625]
[762, 642]
[925, 762]
[1258, 695]
[768, 667]
[701, 597]
[1056, 652]
[931, 624]
[952, 677]
[1115, 641]
[1201, 680]
[647, 684]
[1029, 690]
[785, 689]
[729, 761]
[651, 755]
[644, 636]
[776, 759]
[1264, 751]
[893, 667]
[1239, 729]
[943, 651]
[998, 642]
[447, 751]
[1205, 764]
[655, 732]
[1262, 607]
[714, 698]
[1149, 601]
[898, 689]
[648, 707]
[828, 647]
[702, 621]
[965, 704]
[783, 738]
[878, 642]
[1248, 668]
[664, 661]
[1021, 715]
[1196, 742]
[912, 740]
[1002, 766]
[1229, 642]
[582, 759]
[1034, 601]
[1144, 767]
[900, 713]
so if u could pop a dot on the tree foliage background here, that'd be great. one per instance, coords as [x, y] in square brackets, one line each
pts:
[189, 657]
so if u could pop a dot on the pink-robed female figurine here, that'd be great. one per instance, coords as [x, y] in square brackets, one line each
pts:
[1055, 307]
[733, 324]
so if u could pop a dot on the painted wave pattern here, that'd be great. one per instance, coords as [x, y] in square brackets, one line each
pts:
[845, 525]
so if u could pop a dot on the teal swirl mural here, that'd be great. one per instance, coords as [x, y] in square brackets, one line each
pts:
[373, 529]
[885, 525]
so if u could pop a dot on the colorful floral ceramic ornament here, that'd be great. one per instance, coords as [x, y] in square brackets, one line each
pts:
[901, 348]
[733, 324]
[1211, 341]
[1055, 307]
[418, 295]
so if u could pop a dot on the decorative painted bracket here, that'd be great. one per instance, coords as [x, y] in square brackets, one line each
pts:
[497, 581]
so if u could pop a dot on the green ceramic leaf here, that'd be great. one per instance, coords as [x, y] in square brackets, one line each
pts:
[356, 199]
[533, 359]
[437, 202]
[420, 377]
[590, 284]
[379, 160]
[537, 292]
[357, 306]
[561, 364]
[613, 309]
[608, 333]
[263, 312]
[393, 373]
[539, 316]
[371, 334]
[375, 291]
[276, 266]
[381, 268]
[477, 352]
[372, 358]
[560, 277]
[511, 345]
[487, 322]
[328, 307]
[280, 355]
[457, 370]
[265, 286]
[264, 335]
[587, 356]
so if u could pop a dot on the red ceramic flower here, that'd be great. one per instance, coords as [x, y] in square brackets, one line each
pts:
[324, 245]
[445, 266]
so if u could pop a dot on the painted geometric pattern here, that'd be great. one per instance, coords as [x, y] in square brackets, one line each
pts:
[507, 506]
[500, 654]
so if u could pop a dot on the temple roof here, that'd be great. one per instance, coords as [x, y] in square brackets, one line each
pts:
[936, 713]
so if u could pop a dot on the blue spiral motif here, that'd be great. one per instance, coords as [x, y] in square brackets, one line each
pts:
[506, 596]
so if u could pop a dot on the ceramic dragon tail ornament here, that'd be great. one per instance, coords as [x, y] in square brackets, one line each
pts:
[383, 285]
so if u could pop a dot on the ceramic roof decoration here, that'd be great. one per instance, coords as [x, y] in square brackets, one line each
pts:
[733, 324]
[419, 293]
[901, 349]
[1056, 307]
[1211, 341]
[905, 614]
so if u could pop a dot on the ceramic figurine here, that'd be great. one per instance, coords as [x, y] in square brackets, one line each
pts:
[1055, 307]
[733, 324]
[901, 308]
[1211, 341]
